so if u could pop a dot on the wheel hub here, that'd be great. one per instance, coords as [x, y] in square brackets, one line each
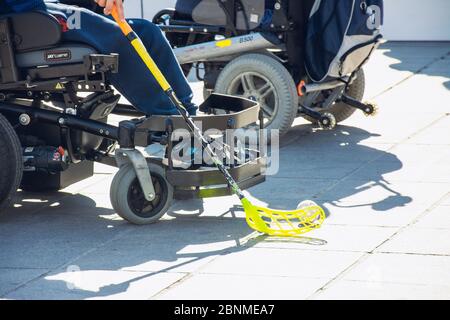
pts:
[258, 88]
[139, 204]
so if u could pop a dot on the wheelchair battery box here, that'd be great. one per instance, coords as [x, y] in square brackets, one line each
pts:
[45, 181]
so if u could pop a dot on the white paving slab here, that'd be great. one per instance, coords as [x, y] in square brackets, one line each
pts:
[359, 290]
[373, 175]
[383, 196]
[420, 241]
[435, 135]
[238, 287]
[331, 238]
[446, 201]
[348, 214]
[402, 269]
[410, 163]
[436, 218]
[283, 263]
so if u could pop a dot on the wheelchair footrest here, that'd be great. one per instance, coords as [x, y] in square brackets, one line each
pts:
[206, 183]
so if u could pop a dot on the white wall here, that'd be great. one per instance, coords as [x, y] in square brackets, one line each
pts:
[404, 19]
[133, 8]
[417, 20]
[151, 7]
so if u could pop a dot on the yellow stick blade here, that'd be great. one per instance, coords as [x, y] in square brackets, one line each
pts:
[284, 223]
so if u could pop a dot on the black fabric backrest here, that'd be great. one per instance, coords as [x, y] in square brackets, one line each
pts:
[34, 30]
[234, 14]
[298, 11]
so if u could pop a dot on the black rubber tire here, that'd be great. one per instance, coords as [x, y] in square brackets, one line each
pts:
[11, 163]
[279, 77]
[342, 111]
[125, 181]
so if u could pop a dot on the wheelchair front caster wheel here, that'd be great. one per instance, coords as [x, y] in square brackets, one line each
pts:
[327, 121]
[128, 199]
[371, 109]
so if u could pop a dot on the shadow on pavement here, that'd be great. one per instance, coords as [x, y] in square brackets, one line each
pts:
[432, 59]
[329, 167]
[67, 233]
[63, 232]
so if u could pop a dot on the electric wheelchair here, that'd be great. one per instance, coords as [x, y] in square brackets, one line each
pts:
[257, 49]
[55, 103]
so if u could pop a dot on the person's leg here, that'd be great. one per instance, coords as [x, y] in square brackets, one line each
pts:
[134, 81]
[161, 51]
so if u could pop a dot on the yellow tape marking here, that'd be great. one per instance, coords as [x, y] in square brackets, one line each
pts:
[224, 43]
[150, 63]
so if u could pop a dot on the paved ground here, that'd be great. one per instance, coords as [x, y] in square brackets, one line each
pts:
[385, 181]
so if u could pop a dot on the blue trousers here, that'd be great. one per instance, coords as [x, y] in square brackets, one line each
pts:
[134, 81]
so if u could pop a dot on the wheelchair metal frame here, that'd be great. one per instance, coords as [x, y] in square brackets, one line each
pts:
[48, 95]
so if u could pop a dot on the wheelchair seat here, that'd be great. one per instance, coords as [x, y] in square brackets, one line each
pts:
[32, 51]
[36, 47]
[32, 47]
[67, 53]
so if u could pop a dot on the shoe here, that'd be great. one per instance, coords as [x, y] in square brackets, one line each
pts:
[180, 160]
[156, 150]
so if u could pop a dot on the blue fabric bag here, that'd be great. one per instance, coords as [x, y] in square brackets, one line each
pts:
[341, 36]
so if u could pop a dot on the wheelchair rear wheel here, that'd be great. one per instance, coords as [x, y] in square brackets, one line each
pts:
[11, 163]
[262, 78]
[128, 199]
